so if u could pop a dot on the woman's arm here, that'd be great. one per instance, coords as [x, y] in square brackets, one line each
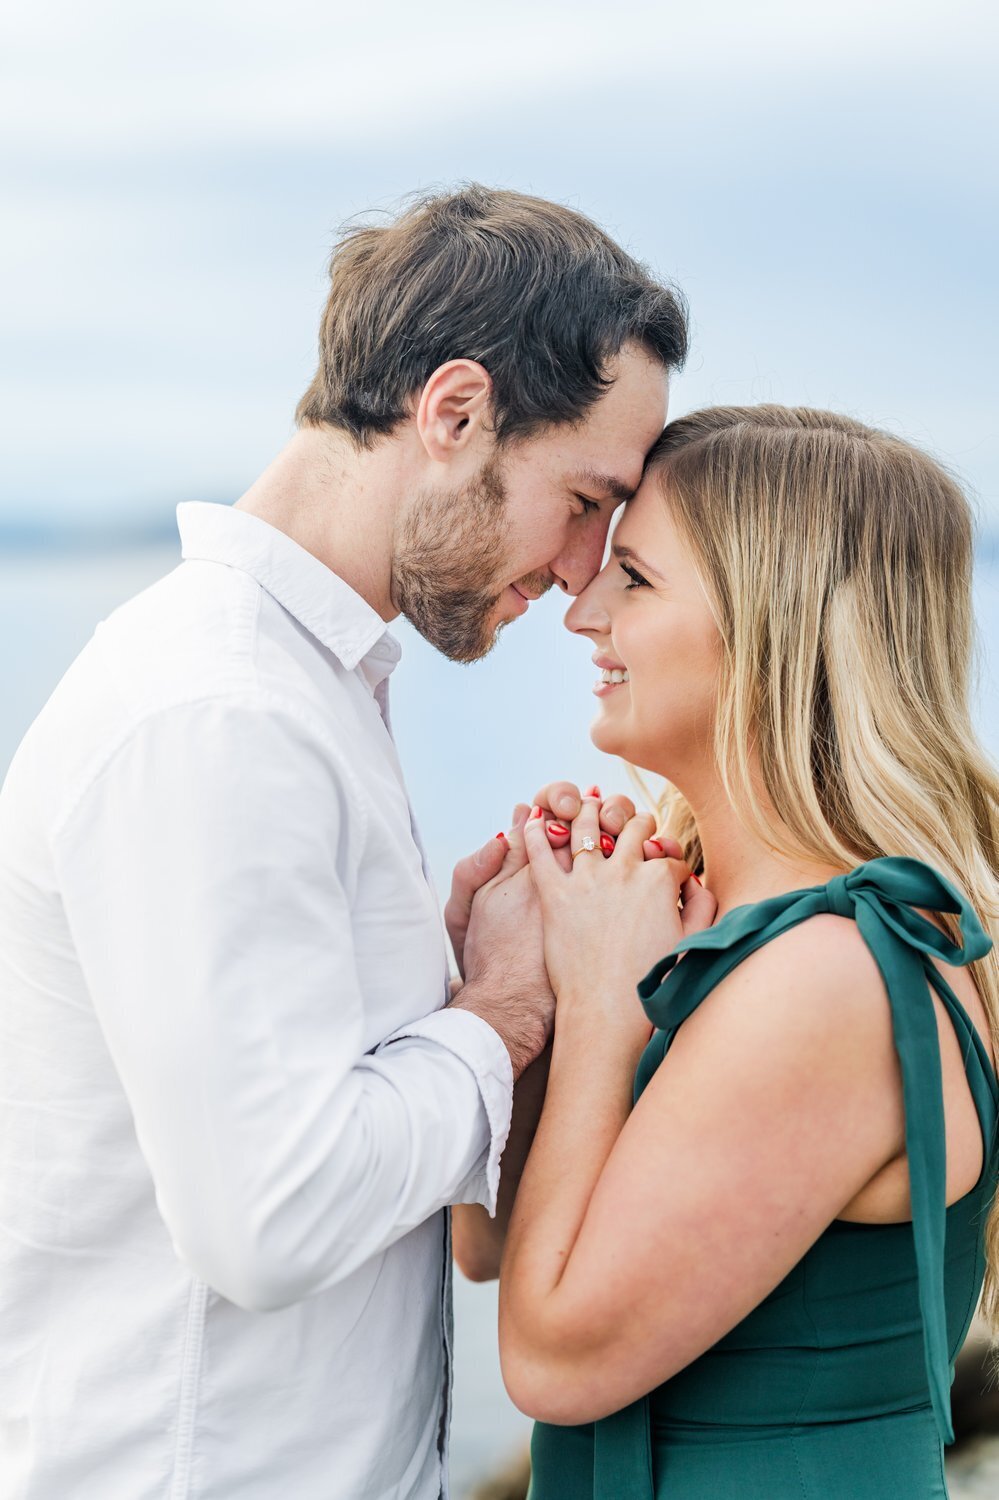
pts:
[476, 1238]
[640, 1237]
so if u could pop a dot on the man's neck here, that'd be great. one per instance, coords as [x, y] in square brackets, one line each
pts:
[339, 503]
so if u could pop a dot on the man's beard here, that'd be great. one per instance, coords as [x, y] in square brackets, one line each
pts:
[450, 554]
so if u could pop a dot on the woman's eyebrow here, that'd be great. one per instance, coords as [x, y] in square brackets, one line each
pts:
[620, 550]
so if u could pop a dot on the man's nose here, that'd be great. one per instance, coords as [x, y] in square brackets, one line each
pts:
[580, 560]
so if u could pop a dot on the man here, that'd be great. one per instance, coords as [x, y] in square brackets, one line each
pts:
[234, 1103]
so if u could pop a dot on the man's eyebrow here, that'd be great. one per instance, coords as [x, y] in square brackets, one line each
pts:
[605, 484]
[621, 551]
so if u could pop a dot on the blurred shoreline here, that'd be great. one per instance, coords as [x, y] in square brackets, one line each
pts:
[55, 536]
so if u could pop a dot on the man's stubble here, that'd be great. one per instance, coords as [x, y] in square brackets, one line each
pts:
[450, 558]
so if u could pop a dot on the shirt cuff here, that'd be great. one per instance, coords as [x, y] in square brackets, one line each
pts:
[478, 1046]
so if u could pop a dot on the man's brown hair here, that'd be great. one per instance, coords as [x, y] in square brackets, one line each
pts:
[536, 293]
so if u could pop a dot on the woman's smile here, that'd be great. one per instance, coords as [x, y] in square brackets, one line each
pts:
[612, 675]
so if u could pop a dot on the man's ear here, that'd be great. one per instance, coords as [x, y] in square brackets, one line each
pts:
[454, 408]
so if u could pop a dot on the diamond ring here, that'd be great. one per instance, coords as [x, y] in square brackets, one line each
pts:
[589, 846]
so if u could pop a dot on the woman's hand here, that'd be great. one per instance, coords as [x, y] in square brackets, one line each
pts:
[504, 855]
[610, 917]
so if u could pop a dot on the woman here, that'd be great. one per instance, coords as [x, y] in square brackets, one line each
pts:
[752, 1281]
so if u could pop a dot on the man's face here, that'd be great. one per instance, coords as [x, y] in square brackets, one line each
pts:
[536, 514]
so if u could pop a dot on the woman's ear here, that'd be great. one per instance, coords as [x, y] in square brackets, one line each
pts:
[454, 407]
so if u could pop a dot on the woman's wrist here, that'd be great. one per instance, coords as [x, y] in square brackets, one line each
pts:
[595, 992]
[614, 1032]
[598, 1002]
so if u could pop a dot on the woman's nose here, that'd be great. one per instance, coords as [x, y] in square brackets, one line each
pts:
[587, 614]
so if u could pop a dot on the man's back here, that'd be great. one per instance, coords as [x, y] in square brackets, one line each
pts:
[210, 1280]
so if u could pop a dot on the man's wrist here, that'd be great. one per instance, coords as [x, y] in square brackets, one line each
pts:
[516, 1019]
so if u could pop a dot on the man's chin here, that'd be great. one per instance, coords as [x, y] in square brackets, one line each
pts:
[491, 627]
[465, 649]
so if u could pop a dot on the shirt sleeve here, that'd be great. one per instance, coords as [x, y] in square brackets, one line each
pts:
[474, 1040]
[207, 873]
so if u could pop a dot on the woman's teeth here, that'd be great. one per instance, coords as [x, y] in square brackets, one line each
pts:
[615, 676]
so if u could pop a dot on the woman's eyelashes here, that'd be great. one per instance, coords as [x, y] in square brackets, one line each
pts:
[637, 581]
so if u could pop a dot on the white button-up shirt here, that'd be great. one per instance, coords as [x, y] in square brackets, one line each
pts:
[232, 1109]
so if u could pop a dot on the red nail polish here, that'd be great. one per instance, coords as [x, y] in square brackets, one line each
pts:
[535, 812]
[697, 878]
[657, 844]
[558, 829]
[607, 843]
[501, 836]
[594, 791]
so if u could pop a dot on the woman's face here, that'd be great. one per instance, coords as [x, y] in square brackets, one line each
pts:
[647, 616]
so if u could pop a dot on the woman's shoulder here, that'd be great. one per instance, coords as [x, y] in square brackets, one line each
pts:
[810, 984]
[825, 943]
[825, 952]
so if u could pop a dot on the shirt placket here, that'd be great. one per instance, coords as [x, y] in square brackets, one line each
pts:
[381, 696]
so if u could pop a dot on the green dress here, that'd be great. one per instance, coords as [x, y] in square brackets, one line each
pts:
[837, 1386]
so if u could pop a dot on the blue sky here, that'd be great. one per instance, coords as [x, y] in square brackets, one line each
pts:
[820, 182]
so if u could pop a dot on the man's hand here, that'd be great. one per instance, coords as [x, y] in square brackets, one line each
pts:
[472, 873]
[557, 800]
[506, 982]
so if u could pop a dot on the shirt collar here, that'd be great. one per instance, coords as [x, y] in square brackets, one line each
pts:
[327, 607]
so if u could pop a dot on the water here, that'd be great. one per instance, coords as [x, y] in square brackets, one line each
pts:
[473, 739]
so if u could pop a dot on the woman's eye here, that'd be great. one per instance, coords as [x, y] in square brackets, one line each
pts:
[637, 581]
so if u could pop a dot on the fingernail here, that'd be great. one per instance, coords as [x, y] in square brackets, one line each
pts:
[535, 812]
[607, 843]
[566, 805]
[558, 829]
[657, 844]
[593, 791]
[697, 878]
[501, 836]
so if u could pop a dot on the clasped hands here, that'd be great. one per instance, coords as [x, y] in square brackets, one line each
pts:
[575, 903]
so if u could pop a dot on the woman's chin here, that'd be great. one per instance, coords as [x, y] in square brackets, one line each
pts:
[611, 739]
[608, 737]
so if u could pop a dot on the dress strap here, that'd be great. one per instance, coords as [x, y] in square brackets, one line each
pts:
[882, 896]
[622, 1454]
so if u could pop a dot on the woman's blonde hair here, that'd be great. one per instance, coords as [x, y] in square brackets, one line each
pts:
[838, 562]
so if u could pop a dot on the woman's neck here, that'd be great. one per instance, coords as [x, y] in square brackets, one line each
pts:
[740, 867]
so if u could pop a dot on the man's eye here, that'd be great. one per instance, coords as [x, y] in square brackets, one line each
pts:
[637, 581]
[589, 506]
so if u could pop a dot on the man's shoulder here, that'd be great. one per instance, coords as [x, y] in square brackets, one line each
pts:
[188, 647]
[195, 627]
[205, 630]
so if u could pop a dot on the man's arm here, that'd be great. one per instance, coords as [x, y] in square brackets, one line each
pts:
[476, 1237]
[207, 877]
